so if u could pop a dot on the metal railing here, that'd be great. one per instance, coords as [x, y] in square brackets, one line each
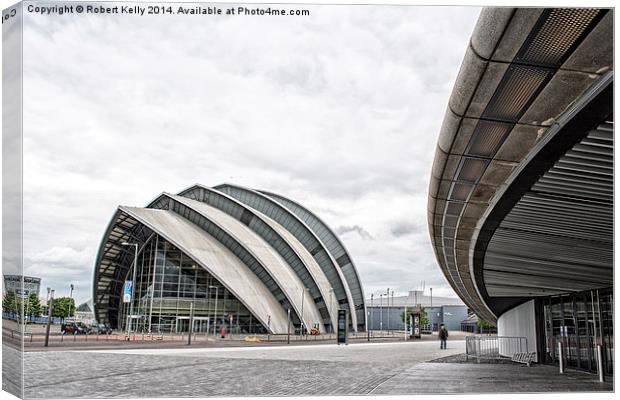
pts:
[494, 347]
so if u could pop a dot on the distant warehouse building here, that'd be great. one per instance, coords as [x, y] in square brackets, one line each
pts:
[22, 285]
[385, 313]
[242, 259]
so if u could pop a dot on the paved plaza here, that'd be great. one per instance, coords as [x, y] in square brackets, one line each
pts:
[302, 370]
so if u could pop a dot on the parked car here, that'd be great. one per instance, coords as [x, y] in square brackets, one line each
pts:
[101, 329]
[73, 328]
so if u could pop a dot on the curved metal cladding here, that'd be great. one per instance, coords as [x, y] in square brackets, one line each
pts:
[207, 252]
[281, 240]
[113, 262]
[245, 242]
[335, 247]
[306, 235]
[524, 73]
[264, 265]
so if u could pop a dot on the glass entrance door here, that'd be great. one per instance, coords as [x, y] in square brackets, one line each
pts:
[580, 321]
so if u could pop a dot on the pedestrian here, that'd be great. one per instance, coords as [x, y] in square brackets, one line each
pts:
[443, 336]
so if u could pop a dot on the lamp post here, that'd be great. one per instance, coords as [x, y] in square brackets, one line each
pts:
[372, 325]
[71, 311]
[215, 312]
[387, 295]
[47, 299]
[381, 313]
[392, 300]
[331, 325]
[288, 326]
[50, 311]
[302, 311]
[133, 285]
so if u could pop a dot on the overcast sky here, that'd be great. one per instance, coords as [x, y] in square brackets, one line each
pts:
[339, 111]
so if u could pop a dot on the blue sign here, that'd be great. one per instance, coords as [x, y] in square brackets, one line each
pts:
[343, 322]
[127, 291]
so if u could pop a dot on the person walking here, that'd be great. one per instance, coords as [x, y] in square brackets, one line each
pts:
[443, 336]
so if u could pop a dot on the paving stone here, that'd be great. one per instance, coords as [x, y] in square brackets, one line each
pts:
[313, 370]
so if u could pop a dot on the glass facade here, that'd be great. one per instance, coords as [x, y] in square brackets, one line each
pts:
[168, 284]
[580, 321]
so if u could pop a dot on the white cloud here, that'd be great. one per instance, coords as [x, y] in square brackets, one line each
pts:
[339, 110]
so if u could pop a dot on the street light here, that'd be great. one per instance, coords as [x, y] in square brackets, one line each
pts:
[331, 325]
[133, 285]
[372, 325]
[381, 312]
[303, 325]
[71, 311]
[215, 312]
[50, 311]
[47, 299]
[388, 310]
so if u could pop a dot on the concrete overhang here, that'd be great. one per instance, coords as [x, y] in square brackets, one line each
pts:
[523, 73]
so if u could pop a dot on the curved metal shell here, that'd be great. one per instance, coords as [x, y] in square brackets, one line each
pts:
[259, 258]
[335, 247]
[304, 234]
[216, 259]
[281, 240]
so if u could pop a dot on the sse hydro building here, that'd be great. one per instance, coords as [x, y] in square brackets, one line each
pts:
[521, 194]
[241, 258]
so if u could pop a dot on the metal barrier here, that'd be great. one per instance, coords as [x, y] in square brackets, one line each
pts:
[494, 347]
[25, 336]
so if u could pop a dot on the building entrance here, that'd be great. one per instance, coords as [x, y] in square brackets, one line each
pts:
[580, 321]
[201, 325]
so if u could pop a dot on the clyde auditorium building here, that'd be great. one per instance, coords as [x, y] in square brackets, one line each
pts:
[244, 258]
[521, 195]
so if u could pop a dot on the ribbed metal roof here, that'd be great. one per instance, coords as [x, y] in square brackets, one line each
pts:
[558, 237]
[256, 257]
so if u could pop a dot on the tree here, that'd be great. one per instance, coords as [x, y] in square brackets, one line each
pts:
[408, 310]
[63, 307]
[483, 324]
[34, 305]
[9, 302]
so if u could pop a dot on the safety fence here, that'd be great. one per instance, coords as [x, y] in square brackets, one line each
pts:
[494, 347]
[29, 318]
[38, 337]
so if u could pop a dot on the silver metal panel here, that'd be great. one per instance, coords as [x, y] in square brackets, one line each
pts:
[217, 260]
[277, 267]
[303, 233]
[336, 248]
[293, 251]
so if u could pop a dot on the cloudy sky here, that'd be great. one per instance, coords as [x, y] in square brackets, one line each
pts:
[339, 110]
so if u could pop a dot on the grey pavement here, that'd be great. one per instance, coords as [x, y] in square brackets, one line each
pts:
[356, 369]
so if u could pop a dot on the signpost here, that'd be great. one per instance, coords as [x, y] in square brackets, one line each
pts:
[343, 324]
[127, 291]
[416, 331]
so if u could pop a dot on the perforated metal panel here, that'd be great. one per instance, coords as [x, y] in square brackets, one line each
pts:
[460, 191]
[487, 138]
[471, 169]
[558, 31]
[516, 91]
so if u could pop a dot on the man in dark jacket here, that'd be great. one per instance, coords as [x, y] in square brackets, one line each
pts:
[443, 336]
